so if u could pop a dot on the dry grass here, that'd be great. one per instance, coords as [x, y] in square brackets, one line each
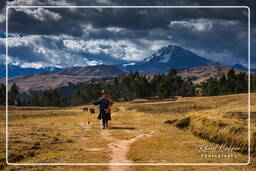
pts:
[171, 107]
[62, 135]
[219, 120]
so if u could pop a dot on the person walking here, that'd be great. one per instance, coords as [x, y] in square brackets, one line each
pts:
[104, 108]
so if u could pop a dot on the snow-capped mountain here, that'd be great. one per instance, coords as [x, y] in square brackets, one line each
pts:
[164, 59]
[14, 70]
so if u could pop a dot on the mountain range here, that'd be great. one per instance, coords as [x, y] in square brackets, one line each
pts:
[14, 70]
[51, 80]
[189, 65]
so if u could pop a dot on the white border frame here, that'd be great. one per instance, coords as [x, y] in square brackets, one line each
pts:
[122, 164]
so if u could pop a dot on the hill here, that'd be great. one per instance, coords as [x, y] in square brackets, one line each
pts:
[200, 74]
[44, 81]
[99, 70]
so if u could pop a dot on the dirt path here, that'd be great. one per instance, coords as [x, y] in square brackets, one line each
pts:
[119, 149]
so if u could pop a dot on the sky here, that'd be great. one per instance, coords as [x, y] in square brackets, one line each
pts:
[67, 37]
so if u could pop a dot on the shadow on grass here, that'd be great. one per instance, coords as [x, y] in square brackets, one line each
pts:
[119, 127]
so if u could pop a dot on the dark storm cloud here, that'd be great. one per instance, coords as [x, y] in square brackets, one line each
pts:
[135, 19]
[225, 41]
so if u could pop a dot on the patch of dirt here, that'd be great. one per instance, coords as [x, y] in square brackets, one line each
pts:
[119, 149]
[94, 149]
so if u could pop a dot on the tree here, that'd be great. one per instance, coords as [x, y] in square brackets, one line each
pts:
[232, 83]
[50, 98]
[13, 95]
[113, 89]
[2, 94]
[128, 91]
[34, 101]
[241, 84]
[253, 83]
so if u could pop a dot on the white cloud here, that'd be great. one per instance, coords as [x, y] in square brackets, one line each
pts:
[120, 49]
[2, 18]
[197, 24]
[35, 2]
[93, 63]
[20, 41]
[104, 2]
[155, 45]
[42, 51]
[68, 51]
[114, 29]
[142, 12]
[36, 65]
[41, 14]
[88, 29]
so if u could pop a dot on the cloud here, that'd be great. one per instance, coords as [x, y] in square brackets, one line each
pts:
[219, 40]
[197, 24]
[120, 49]
[118, 35]
[41, 14]
[114, 29]
[41, 51]
[67, 51]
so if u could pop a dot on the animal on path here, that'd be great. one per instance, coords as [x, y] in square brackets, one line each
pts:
[92, 110]
[85, 109]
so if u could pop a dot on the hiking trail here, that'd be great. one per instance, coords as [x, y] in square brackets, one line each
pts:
[119, 149]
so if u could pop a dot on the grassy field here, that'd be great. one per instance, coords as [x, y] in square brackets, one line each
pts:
[141, 131]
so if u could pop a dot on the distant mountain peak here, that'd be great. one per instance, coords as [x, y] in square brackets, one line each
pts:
[172, 56]
[164, 54]
[239, 66]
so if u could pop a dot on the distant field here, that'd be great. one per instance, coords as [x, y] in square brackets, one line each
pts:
[142, 131]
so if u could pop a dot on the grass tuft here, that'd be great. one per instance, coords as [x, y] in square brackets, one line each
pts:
[183, 123]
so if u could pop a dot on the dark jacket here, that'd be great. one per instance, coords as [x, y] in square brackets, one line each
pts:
[104, 103]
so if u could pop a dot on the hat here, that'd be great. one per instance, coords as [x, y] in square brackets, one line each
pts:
[103, 92]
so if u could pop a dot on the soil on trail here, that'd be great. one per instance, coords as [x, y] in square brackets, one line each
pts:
[120, 148]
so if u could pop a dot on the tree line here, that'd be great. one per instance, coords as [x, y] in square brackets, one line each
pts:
[231, 83]
[131, 86]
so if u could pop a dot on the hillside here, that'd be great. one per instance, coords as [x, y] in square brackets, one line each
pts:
[200, 74]
[99, 70]
[44, 81]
